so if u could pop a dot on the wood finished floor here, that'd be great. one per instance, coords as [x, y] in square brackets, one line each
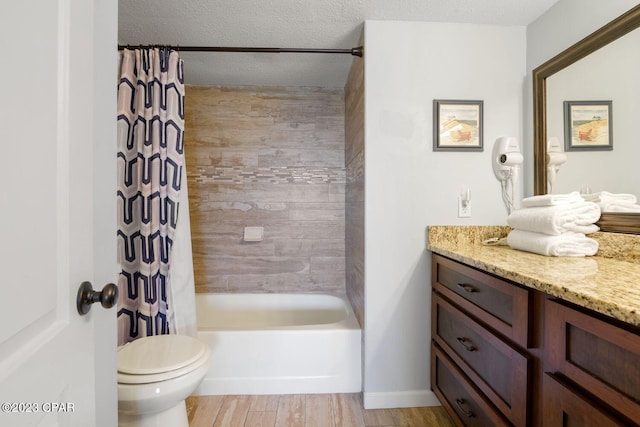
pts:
[305, 410]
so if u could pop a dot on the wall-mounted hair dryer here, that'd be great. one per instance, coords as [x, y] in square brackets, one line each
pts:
[506, 161]
[555, 158]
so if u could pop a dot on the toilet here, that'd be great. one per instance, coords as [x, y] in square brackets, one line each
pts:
[155, 376]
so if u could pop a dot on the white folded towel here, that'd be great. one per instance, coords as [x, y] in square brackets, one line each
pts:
[605, 197]
[619, 207]
[552, 200]
[554, 220]
[566, 244]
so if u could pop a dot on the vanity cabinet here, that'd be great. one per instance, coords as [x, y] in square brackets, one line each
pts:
[592, 367]
[506, 354]
[481, 328]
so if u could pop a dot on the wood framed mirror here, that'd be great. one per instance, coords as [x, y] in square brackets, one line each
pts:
[624, 24]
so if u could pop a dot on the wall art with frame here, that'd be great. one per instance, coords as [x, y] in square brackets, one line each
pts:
[588, 125]
[457, 125]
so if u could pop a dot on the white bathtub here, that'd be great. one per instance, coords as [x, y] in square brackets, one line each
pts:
[279, 344]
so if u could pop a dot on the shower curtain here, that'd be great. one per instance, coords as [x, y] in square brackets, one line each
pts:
[156, 289]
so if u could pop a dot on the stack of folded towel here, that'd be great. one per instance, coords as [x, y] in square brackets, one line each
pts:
[610, 202]
[555, 225]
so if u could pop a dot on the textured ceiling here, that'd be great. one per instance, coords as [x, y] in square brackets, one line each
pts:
[290, 24]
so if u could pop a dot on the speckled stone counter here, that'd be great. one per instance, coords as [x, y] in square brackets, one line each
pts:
[608, 283]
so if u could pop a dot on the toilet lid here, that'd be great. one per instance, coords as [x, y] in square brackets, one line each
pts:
[158, 354]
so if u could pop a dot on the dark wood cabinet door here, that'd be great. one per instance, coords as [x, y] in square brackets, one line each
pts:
[599, 356]
[499, 370]
[502, 305]
[566, 407]
[464, 402]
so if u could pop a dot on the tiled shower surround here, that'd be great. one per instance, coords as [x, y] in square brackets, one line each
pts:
[270, 157]
[355, 161]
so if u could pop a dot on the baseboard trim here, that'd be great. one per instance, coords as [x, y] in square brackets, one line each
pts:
[276, 385]
[400, 399]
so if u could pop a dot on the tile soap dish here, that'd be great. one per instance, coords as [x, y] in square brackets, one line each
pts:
[253, 234]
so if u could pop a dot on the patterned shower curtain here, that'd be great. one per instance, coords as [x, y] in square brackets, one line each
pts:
[150, 162]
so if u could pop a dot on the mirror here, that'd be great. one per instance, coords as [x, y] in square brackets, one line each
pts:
[626, 23]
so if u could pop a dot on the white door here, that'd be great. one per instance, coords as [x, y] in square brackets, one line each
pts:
[57, 210]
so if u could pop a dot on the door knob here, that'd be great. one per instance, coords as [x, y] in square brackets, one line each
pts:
[87, 296]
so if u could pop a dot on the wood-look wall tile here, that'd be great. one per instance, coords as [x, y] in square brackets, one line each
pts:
[213, 156]
[311, 230]
[355, 171]
[324, 265]
[276, 229]
[223, 245]
[197, 196]
[271, 157]
[354, 110]
[273, 283]
[213, 211]
[203, 286]
[300, 157]
[331, 283]
[225, 265]
[307, 248]
[317, 211]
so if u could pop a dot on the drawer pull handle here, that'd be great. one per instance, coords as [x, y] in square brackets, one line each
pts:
[467, 287]
[459, 403]
[465, 343]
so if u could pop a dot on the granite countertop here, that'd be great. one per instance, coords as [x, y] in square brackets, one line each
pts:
[608, 283]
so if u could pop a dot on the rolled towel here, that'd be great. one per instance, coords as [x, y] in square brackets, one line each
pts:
[606, 197]
[552, 200]
[555, 220]
[566, 244]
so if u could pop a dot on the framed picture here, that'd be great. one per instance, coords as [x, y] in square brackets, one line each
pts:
[588, 125]
[457, 125]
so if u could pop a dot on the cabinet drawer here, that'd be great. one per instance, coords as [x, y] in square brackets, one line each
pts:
[597, 355]
[504, 306]
[497, 369]
[565, 406]
[464, 402]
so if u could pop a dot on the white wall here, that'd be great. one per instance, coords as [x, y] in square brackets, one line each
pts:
[409, 186]
[566, 23]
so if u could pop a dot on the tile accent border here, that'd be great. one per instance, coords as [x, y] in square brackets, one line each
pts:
[271, 175]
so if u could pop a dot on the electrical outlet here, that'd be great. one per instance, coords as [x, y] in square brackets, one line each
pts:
[464, 208]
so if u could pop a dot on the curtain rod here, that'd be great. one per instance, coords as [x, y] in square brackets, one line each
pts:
[356, 51]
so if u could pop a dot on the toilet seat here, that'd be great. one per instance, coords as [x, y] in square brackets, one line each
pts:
[159, 358]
